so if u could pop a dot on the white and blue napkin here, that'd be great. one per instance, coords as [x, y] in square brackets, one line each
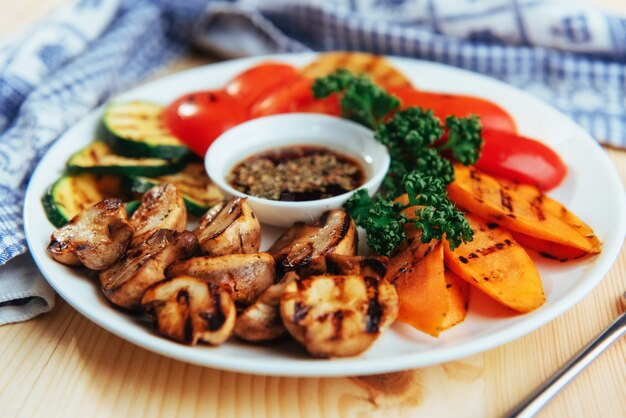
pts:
[571, 56]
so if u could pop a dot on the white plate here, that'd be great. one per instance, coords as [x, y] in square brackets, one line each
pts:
[592, 190]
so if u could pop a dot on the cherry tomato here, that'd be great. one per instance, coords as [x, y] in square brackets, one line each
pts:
[491, 115]
[296, 96]
[197, 119]
[521, 159]
[260, 80]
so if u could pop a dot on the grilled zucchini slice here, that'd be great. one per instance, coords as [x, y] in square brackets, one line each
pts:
[72, 194]
[136, 129]
[98, 158]
[198, 191]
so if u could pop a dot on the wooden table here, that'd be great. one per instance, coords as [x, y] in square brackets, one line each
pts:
[61, 364]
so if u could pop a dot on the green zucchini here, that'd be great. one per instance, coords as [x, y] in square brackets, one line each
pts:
[71, 194]
[98, 158]
[136, 130]
[197, 189]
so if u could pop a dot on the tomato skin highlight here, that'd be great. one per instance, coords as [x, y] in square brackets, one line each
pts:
[198, 118]
[296, 96]
[259, 80]
[443, 105]
[521, 159]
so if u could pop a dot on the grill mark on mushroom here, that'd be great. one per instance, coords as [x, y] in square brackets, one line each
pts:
[215, 319]
[183, 305]
[337, 321]
[374, 308]
[229, 208]
[336, 316]
[229, 228]
[300, 312]
[189, 310]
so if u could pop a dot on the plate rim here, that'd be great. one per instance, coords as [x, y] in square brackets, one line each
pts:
[357, 365]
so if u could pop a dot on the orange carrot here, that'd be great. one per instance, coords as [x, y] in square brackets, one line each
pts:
[497, 265]
[421, 288]
[458, 298]
[521, 208]
[548, 249]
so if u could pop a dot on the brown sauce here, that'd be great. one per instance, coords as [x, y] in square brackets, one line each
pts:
[297, 173]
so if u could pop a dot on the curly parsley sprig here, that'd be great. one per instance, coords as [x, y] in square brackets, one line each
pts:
[361, 100]
[464, 139]
[416, 139]
[435, 215]
[382, 219]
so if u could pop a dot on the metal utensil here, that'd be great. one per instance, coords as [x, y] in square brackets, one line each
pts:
[542, 395]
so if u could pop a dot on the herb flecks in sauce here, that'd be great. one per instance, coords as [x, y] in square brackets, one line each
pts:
[297, 173]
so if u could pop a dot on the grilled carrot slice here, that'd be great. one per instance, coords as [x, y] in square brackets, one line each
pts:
[457, 291]
[548, 249]
[497, 265]
[520, 208]
[421, 288]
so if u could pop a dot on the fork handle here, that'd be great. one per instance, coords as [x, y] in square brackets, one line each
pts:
[542, 395]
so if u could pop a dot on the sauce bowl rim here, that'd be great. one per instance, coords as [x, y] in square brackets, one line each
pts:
[376, 175]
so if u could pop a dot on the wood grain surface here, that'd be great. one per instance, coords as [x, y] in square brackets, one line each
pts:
[63, 365]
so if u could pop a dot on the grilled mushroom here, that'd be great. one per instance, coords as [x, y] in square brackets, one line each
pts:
[95, 238]
[245, 275]
[342, 265]
[162, 207]
[338, 316]
[229, 228]
[261, 321]
[125, 282]
[301, 246]
[188, 310]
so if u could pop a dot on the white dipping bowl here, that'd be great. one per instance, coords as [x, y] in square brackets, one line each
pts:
[345, 137]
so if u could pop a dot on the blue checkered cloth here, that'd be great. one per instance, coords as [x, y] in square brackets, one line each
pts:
[573, 57]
